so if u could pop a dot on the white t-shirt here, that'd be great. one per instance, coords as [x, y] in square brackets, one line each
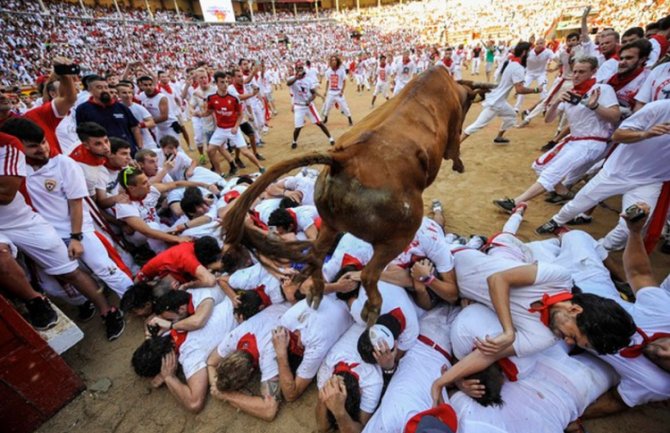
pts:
[657, 85]
[255, 276]
[195, 350]
[319, 330]
[472, 270]
[96, 177]
[303, 184]
[408, 393]
[404, 72]
[383, 73]
[514, 73]
[301, 90]
[144, 209]
[642, 381]
[260, 326]
[335, 80]
[152, 104]
[66, 133]
[607, 70]
[17, 213]
[266, 207]
[202, 294]
[428, 242]
[51, 186]
[583, 121]
[646, 161]
[393, 297]
[305, 217]
[370, 379]
[140, 113]
[352, 246]
[536, 64]
[181, 163]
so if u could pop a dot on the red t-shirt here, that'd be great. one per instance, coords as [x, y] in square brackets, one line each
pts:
[178, 261]
[226, 109]
[45, 116]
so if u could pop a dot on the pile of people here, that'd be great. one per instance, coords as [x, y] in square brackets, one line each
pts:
[96, 189]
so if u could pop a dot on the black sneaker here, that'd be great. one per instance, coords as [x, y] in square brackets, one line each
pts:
[114, 324]
[501, 140]
[625, 291]
[239, 163]
[325, 120]
[524, 114]
[260, 157]
[547, 228]
[86, 311]
[40, 313]
[506, 204]
[560, 199]
[233, 170]
[294, 145]
[547, 147]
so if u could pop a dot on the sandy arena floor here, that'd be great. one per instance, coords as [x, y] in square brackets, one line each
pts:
[130, 405]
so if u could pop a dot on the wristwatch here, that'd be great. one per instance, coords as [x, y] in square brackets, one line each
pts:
[76, 236]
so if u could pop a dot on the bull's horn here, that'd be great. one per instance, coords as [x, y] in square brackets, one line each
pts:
[477, 85]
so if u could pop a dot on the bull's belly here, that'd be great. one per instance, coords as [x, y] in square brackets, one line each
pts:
[371, 214]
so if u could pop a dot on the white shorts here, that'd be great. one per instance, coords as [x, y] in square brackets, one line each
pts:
[222, 136]
[39, 241]
[381, 88]
[202, 134]
[302, 111]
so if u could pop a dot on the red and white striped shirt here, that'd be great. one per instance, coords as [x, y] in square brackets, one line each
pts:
[13, 163]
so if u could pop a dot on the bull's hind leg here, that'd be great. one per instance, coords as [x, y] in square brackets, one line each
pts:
[323, 243]
[382, 256]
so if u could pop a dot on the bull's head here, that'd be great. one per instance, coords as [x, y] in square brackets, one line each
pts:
[474, 89]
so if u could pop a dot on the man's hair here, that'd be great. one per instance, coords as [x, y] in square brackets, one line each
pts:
[611, 32]
[643, 46]
[116, 144]
[651, 26]
[125, 83]
[137, 296]
[142, 154]
[87, 130]
[207, 250]
[288, 202]
[147, 359]
[520, 48]
[345, 296]
[572, 35]
[590, 60]
[664, 23]
[249, 303]
[171, 301]
[352, 404]
[244, 178]
[128, 175]
[219, 74]
[144, 78]
[338, 61]
[239, 62]
[637, 31]
[604, 322]
[281, 218]
[493, 380]
[191, 200]
[235, 371]
[168, 140]
[87, 79]
[23, 129]
[365, 348]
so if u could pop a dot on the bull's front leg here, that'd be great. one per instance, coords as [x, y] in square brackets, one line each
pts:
[323, 243]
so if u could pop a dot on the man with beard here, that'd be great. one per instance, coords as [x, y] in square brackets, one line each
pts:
[496, 105]
[631, 73]
[112, 115]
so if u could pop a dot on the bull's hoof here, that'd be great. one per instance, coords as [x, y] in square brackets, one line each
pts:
[458, 165]
[370, 313]
[314, 300]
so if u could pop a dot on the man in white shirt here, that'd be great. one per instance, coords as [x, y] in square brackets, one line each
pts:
[592, 111]
[404, 71]
[636, 168]
[303, 90]
[158, 357]
[383, 78]
[655, 87]
[495, 104]
[146, 122]
[158, 106]
[536, 70]
[336, 80]
[203, 126]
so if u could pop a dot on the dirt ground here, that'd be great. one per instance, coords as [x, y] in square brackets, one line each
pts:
[130, 405]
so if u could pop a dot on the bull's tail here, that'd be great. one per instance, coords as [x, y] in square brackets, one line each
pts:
[233, 222]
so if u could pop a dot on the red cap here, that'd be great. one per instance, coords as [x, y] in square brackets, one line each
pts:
[230, 196]
[351, 260]
[443, 412]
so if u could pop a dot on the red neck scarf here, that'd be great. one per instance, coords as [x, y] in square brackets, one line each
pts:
[663, 42]
[614, 56]
[513, 58]
[165, 87]
[400, 317]
[447, 61]
[636, 350]
[509, 369]
[295, 219]
[248, 344]
[349, 260]
[619, 81]
[547, 302]
[405, 62]
[294, 344]
[343, 367]
[265, 299]
[85, 156]
[583, 88]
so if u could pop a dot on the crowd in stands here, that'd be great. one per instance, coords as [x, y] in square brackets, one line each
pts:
[96, 189]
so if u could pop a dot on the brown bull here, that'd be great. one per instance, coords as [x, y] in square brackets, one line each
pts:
[373, 182]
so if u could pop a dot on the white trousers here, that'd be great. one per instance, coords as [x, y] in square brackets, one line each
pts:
[332, 99]
[559, 86]
[601, 187]
[97, 260]
[476, 62]
[540, 81]
[504, 111]
[575, 157]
